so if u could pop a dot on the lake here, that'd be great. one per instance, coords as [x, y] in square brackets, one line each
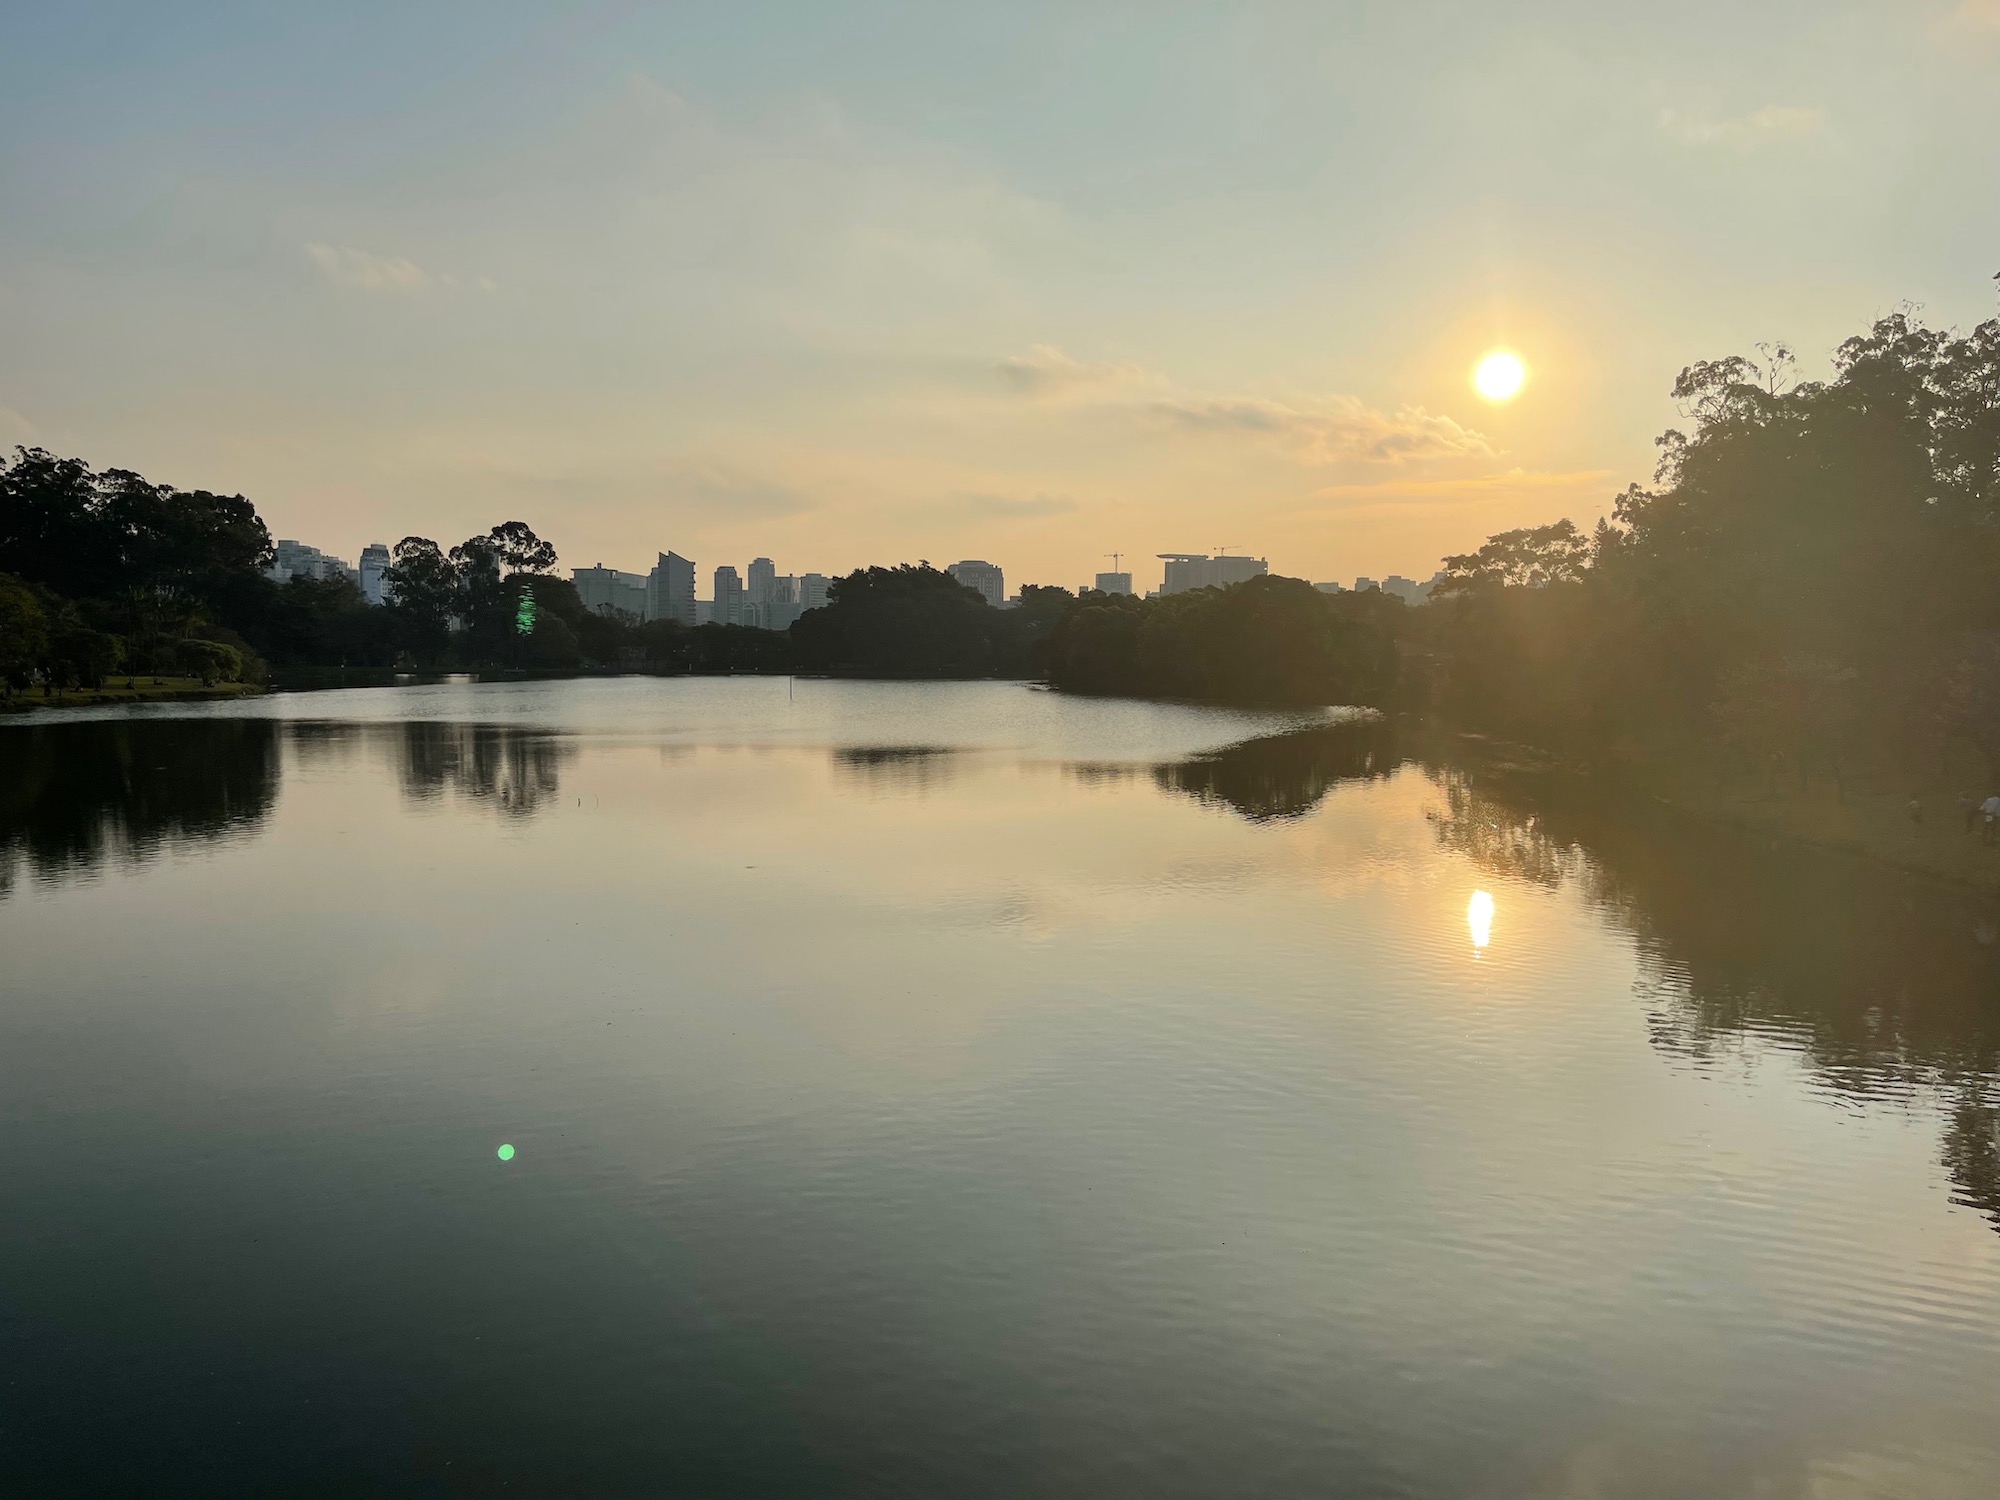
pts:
[962, 1090]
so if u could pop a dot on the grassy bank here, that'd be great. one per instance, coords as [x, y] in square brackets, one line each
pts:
[140, 689]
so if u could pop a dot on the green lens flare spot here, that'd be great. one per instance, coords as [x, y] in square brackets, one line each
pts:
[506, 1153]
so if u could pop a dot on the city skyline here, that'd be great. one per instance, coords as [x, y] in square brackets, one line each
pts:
[951, 289]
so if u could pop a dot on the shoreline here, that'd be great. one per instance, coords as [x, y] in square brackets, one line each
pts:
[167, 690]
[1868, 822]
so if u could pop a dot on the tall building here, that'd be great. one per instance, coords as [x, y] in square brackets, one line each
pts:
[984, 577]
[374, 562]
[295, 559]
[780, 605]
[670, 589]
[729, 601]
[1197, 570]
[1363, 584]
[762, 581]
[1114, 583]
[812, 591]
[607, 591]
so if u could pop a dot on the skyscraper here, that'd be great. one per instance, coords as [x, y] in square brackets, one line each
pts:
[729, 601]
[374, 560]
[763, 579]
[812, 590]
[1114, 583]
[985, 577]
[670, 589]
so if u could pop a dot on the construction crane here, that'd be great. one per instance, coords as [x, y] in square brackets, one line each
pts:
[1114, 556]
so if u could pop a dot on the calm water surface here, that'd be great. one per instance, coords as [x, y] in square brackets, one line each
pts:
[961, 1091]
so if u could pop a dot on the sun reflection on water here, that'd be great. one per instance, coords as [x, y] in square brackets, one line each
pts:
[1479, 918]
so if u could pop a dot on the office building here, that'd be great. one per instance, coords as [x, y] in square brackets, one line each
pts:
[1114, 583]
[982, 577]
[1331, 588]
[606, 591]
[670, 589]
[812, 591]
[1364, 584]
[1197, 570]
[374, 563]
[294, 559]
[762, 581]
[780, 605]
[728, 605]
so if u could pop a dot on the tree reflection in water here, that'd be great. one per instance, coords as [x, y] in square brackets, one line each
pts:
[1885, 984]
[518, 771]
[76, 795]
[1286, 775]
[897, 768]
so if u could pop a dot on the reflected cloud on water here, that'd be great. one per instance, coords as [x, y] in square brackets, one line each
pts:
[1885, 986]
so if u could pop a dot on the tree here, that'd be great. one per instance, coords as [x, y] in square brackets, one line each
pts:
[1533, 557]
[1267, 641]
[424, 587]
[906, 621]
[24, 634]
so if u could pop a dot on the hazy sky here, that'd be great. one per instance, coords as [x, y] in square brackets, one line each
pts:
[875, 282]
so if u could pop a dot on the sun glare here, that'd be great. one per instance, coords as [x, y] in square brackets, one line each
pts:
[1479, 918]
[1500, 375]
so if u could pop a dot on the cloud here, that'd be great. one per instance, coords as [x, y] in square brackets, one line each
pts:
[732, 493]
[1401, 496]
[1319, 429]
[977, 505]
[1330, 429]
[1046, 371]
[1772, 124]
[361, 268]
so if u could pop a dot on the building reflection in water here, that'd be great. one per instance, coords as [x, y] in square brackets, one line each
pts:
[74, 796]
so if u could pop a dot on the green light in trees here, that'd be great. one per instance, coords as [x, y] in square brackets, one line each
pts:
[524, 614]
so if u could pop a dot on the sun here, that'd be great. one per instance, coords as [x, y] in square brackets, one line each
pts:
[1499, 375]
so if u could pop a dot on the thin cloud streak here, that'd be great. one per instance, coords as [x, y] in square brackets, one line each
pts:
[368, 271]
[1319, 429]
[1772, 124]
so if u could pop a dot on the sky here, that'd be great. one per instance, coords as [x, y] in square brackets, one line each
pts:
[867, 283]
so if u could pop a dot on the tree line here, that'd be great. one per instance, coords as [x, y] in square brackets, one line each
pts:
[1809, 587]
